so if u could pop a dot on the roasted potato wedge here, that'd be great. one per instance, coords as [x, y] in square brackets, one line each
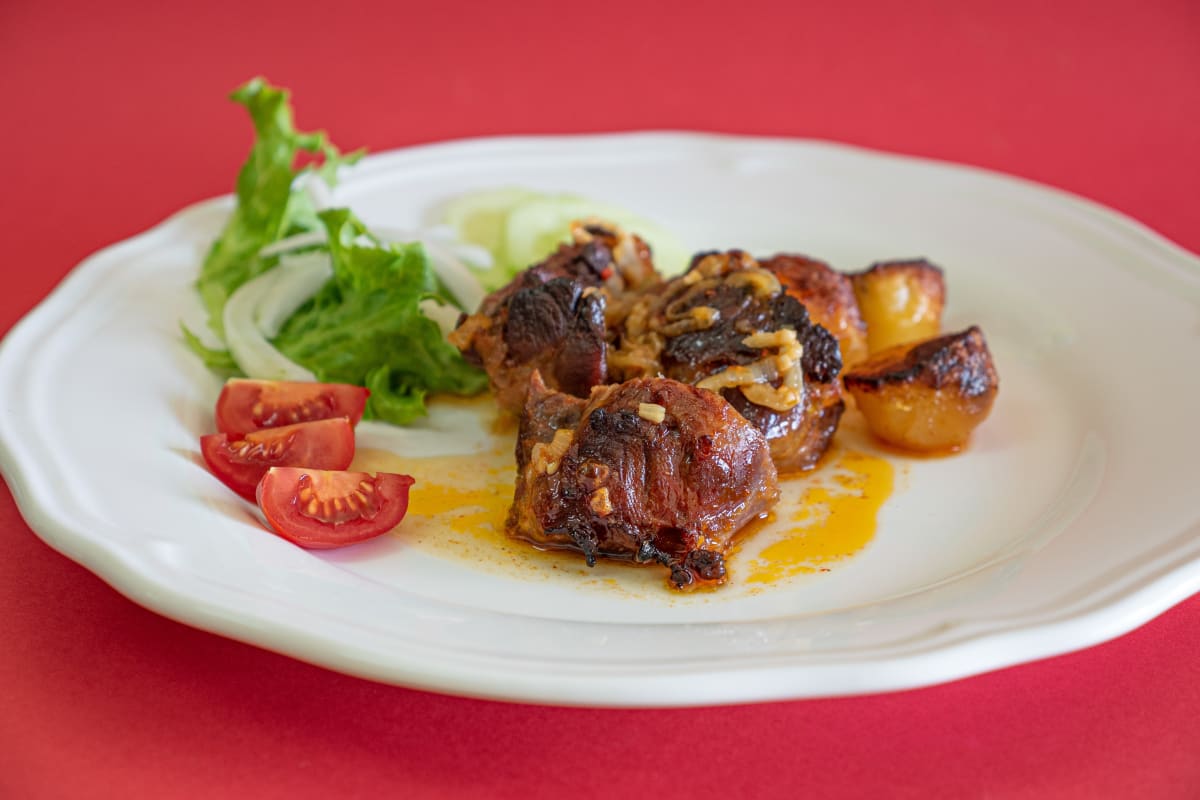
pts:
[927, 396]
[829, 297]
[900, 301]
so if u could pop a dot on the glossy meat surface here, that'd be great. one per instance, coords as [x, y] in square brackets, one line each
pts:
[728, 325]
[828, 296]
[551, 317]
[651, 470]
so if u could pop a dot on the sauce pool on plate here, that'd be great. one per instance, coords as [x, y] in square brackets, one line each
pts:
[458, 506]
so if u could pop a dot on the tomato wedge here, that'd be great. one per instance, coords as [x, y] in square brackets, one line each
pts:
[323, 509]
[240, 461]
[249, 405]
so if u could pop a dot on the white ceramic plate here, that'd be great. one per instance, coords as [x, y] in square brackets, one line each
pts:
[1071, 519]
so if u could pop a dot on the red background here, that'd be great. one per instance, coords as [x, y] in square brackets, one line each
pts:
[114, 116]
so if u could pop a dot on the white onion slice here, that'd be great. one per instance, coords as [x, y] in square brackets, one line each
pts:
[271, 298]
[473, 255]
[293, 243]
[446, 316]
[300, 278]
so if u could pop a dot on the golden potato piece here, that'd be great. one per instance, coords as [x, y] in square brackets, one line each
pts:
[829, 298]
[901, 301]
[927, 396]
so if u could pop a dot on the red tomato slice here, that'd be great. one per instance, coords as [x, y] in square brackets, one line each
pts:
[249, 405]
[322, 509]
[241, 461]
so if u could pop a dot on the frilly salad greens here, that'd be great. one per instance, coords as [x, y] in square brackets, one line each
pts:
[294, 291]
[269, 206]
[364, 323]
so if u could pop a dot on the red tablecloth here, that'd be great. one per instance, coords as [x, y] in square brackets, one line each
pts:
[114, 117]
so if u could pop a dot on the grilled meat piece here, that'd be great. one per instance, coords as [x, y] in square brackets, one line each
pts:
[551, 317]
[651, 470]
[728, 325]
[828, 296]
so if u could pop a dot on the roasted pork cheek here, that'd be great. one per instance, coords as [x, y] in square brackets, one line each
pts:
[651, 470]
[728, 325]
[828, 296]
[551, 317]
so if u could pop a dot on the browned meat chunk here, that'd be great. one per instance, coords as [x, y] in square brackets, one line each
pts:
[728, 325]
[551, 317]
[651, 470]
[828, 295]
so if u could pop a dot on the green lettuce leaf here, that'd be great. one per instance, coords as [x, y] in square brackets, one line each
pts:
[268, 208]
[219, 361]
[365, 326]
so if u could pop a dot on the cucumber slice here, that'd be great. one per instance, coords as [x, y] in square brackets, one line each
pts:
[480, 217]
[536, 227]
[520, 227]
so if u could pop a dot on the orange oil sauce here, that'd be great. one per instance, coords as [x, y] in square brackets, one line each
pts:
[459, 503]
[457, 510]
[457, 499]
[822, 517]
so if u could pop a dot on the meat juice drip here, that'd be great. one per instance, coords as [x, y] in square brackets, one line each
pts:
[459, 504]
[824, 516]
[457, 511]
[466, 495]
